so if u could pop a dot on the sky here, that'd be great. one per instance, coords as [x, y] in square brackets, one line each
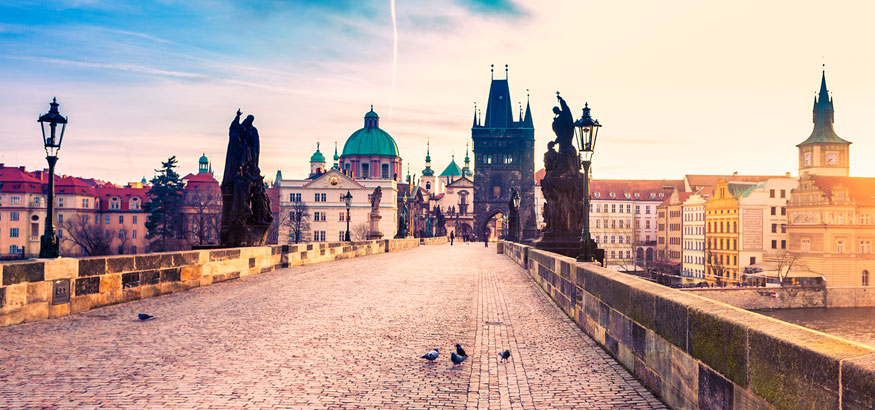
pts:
[680, 87]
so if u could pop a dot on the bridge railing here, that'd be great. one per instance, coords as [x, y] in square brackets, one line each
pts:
[38, 289]
[698, 353]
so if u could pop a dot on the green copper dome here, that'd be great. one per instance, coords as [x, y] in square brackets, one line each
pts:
[452, 170]
[317, 156]
[371, 140]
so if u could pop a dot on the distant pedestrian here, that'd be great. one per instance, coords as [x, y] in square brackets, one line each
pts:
[452, 237]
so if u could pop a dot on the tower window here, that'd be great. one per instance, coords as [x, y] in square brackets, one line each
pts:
[384, 171]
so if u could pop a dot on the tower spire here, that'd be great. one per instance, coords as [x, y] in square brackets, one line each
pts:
[336, 158]
[475, 113]
[527, 121]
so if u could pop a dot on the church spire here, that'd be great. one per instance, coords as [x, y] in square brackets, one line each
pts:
[427, 172]
[466, 171]
[527, 121]
[475, 113]
[823, 117]
[336, 158]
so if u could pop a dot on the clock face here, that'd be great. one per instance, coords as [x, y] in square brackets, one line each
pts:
[333, 181]
[832, 158]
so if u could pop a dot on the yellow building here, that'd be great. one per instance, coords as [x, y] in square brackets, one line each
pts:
[721, 233]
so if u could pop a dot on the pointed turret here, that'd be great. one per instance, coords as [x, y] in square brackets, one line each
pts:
[466, 171]
[475, 115]
[823, 116]
[527, 121]
[336, 158]
[427, 172]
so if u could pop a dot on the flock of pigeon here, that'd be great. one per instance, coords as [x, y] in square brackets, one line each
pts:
[456, 357]
[459, 355]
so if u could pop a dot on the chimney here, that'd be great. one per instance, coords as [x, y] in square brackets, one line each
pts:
[735, 173]
[787, 174]
[21, 167]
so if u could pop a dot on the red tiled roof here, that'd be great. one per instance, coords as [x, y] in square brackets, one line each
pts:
[73, 185]
[200, 182]
[124, 194]
[540, 175]
[860, 190]
[643, 187]
[18, 180]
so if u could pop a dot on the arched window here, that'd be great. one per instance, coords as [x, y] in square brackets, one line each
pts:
[865, 278]
[428, 185]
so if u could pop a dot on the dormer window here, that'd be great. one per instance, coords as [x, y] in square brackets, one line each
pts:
[661, 195]
[612, 195]
[628, 195]
[637, 195]
[115, 203]
[652, 195]
[598, 195]
[135, 203]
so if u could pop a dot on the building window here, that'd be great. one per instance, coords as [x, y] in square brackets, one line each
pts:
[135, 219]
[342, 217]
[295, 197]
[487, 158]
[783, 193]
[13, 216]
[14, 200]
[121, 219]
[114, 203]
[13, 232]
[320, 197]
[341, 236]
[771, 193]
[806, 245]
[507, 159]
[865, 278]
[865, 246]
[840, 246]
[783, 211]
[134, 235]
[774, 228]
[384, 171]
[774, 211]
[107, 220]
[61, 202]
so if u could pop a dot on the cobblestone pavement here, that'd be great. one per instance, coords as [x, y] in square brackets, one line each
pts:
[341, 335]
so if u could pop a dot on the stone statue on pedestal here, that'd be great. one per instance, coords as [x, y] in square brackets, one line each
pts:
[563, 189]
[376, 197]
[246, 215]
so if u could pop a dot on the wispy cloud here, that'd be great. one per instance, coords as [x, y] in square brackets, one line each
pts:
[110, 66]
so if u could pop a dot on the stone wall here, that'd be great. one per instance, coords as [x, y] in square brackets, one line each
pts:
[50, 288]
[697, 353]
[437, 240]
[790, 298]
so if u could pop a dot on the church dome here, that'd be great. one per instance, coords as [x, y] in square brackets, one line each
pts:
[371, 140]
[317, 156]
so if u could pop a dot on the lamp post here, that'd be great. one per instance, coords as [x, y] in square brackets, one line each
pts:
[347, 199]
[514, 235]
[587, 130]
[52, 142]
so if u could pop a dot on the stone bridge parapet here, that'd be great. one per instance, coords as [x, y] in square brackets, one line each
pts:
[49, 288]
[698, 353]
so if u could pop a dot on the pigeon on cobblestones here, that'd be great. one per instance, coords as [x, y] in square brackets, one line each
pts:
[504, 355]
[457, 360]
[460, 351]
[143, 316]
[432, 355]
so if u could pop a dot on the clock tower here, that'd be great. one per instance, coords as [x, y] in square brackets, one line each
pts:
[824, 152]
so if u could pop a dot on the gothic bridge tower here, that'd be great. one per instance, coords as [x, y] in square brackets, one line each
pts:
[504, 158]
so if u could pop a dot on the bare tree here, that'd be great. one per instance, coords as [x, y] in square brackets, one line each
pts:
[204, 210]
[88, 236]
[786, 262]
[297, 220]
[359, 232]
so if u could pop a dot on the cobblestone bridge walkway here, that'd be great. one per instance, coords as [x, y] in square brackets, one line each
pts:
[340, 335]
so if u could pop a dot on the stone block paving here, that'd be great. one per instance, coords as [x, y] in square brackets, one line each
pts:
[340, 335]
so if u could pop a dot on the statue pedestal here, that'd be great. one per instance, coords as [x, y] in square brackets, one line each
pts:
[563, 243]
[375, 227]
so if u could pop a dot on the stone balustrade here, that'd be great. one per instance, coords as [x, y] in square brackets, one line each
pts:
[698, 353]
[49, 288]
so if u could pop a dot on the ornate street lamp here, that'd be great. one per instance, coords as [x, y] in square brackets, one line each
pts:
[514, 234]
[587, 130]
[347, 199]
[52, 142]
